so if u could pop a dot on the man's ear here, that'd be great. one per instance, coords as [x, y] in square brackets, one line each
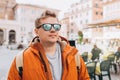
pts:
[36, 31]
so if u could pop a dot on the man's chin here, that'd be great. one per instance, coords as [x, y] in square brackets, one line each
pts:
[53, 41]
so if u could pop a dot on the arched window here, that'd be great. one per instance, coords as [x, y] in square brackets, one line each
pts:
[12, 35]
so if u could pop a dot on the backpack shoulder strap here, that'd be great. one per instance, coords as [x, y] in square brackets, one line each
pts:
[19, 62]
[77, 59]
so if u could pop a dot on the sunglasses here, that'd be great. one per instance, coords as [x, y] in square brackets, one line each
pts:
[48, 26]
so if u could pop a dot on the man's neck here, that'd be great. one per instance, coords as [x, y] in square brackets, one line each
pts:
[49, 48]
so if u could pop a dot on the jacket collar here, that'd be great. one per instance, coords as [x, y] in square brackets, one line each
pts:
[65, 47]
[36, 41]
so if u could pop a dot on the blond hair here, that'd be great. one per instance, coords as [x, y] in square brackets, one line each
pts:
[44, 15]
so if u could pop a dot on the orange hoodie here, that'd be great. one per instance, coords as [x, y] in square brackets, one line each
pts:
[36, 66]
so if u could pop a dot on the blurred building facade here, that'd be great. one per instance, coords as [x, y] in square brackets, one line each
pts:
[82, 13]
[17, 21]
[99, 20]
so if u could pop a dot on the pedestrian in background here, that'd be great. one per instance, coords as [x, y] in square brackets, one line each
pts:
[95, 52]
[117, 54]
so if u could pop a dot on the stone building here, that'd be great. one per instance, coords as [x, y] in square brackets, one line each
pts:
[17, 21]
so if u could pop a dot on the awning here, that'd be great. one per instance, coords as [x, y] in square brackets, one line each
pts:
[105, 23]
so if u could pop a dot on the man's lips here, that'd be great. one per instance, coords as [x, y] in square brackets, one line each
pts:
[52, 35]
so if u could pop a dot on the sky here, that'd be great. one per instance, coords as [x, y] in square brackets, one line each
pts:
[56, 4]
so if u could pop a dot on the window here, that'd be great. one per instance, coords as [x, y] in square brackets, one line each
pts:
[76, 16]
[96, 13]
[101, 13]
[12, 36]
[80, 22]
[23, 10]
[86, 13]
[71, 31]
[1, 9]
[96, 5]
[86, 21]
[71, 17]
[32, 11]
[71, 24]
[87, 5]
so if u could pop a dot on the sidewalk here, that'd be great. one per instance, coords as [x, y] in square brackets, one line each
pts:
[6, 57]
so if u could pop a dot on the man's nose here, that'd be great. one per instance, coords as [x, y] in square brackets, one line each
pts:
[52, 29]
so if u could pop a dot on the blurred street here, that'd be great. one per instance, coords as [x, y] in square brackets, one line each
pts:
[6, 57]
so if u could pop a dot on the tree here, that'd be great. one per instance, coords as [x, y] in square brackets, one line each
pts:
[80, 39]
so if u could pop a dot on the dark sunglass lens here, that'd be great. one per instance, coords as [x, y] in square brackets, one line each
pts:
[47, 27]
[57, 27]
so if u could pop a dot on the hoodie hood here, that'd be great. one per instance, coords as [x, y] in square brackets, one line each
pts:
[63, 42]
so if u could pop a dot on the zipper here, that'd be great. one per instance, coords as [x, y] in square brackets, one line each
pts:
[44, 64]
[45, 67]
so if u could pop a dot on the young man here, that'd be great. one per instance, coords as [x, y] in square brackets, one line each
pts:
[49, 57]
